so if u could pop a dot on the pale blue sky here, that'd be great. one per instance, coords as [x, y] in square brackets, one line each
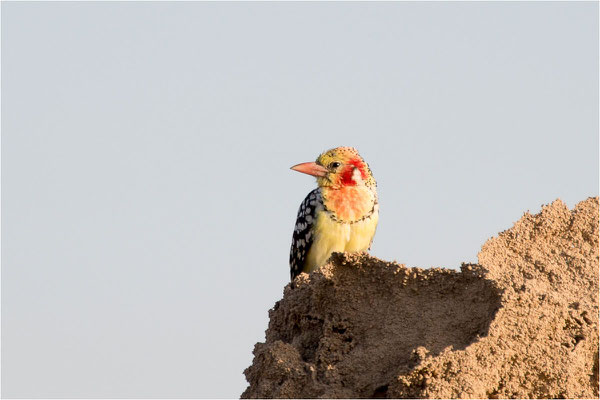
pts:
[147, 201]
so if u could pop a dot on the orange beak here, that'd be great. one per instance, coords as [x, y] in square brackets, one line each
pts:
[311, 168]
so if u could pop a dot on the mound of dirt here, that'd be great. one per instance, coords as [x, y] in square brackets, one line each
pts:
[523, 323]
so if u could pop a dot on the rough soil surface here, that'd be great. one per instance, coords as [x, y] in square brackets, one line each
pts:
[523, 323]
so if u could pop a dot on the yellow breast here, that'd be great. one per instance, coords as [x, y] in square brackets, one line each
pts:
[334, 236]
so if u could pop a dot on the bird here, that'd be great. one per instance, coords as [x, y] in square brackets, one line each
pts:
[340, 215]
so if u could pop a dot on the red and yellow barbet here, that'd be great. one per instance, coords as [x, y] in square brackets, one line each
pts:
[340, 215]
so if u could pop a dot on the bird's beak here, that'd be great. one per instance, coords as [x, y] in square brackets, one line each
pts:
[311, 168]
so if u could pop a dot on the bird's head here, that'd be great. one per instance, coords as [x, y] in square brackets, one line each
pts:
[338, 168]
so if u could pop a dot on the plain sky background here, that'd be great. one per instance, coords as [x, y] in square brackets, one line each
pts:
[147, 201]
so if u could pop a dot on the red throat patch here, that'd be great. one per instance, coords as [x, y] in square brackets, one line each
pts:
[349, 203]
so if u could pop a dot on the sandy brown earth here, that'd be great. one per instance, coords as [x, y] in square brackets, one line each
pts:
[523, 323]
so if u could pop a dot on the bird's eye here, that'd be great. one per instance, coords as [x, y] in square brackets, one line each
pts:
[334, 165]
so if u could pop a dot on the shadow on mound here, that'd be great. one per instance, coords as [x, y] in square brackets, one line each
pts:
[358, 322]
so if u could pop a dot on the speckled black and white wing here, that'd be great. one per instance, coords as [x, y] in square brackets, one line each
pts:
[303, 238]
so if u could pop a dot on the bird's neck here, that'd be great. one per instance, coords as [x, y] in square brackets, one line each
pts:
[349, 203]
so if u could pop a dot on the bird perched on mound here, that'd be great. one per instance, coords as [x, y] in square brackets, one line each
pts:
[340, 215]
